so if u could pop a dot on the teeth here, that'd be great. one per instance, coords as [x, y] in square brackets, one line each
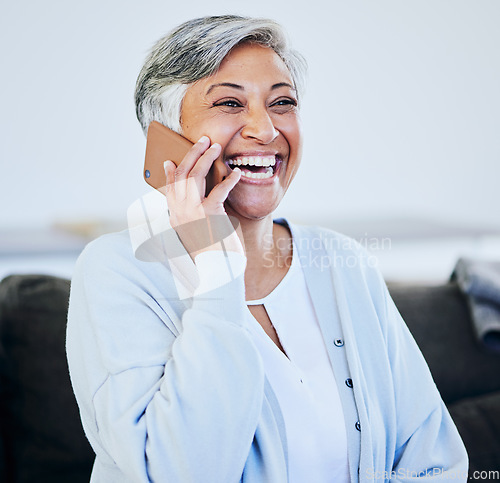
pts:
[249, 174]
[253, 161]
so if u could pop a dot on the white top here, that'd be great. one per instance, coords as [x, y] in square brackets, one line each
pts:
[303, 382]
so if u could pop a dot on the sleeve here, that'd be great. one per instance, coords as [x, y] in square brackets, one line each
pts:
[428, 445]
[157, 406]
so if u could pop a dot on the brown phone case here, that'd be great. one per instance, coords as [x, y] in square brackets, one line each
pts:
[162, 144]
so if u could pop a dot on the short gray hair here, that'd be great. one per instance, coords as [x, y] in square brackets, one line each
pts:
[195, 50]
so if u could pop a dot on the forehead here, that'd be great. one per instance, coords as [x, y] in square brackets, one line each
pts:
[248, 64]
[253, 58]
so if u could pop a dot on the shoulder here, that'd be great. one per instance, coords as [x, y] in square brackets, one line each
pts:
[106, 263]
[113, 263]
[109, 254]
[107, 247]
[128, 251]
[317, 237]
[349, 262]
[330, 239]
[347, 252]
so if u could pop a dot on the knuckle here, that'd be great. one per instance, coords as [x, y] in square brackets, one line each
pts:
[197, 150]
[194, 173]
[179, 173]
[199, 147]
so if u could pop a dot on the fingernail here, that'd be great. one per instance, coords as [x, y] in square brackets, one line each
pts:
[215, 145]
[203, 139]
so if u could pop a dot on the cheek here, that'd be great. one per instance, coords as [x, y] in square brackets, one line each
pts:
[298, 145]
[293, 134]
[195, 122]
[190, 132]
[223, 132]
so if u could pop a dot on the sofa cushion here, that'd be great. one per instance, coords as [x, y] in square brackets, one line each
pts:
[439, 319]
[40, 427]
[478, 421]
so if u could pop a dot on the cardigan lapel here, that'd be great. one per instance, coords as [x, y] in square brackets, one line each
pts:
[314, 262]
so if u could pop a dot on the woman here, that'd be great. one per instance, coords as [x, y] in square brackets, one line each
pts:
[319, 380]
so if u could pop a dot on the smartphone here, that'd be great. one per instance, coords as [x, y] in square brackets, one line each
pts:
[162, 144]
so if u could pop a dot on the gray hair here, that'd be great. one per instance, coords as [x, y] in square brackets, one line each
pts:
[195, 50]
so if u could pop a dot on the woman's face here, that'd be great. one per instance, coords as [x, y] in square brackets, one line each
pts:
[249, 106]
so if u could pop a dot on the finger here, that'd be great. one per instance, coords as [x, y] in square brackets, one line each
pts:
[169, 167]
[202, 167]
[220, 192]
[187, 163]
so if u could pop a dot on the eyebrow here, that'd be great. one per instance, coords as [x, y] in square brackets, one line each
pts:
[241, 88]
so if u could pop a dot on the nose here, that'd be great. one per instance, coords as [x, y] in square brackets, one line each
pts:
[259, 126]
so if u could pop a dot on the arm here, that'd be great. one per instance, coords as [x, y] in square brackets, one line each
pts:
[428, 444]
[159, 407]
[169, 408]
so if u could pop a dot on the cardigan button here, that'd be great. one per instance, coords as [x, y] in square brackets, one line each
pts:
[348, 382]
[338, 342]
[358, 425]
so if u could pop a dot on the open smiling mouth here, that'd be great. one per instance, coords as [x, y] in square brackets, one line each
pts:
[256, 167]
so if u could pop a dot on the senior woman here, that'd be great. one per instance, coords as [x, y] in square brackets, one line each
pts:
[297, 366]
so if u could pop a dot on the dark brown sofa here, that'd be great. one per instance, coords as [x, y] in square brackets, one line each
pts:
[41, 439]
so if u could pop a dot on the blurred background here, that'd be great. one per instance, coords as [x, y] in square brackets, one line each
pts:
[401, 121]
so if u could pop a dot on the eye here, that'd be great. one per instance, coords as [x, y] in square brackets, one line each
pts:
[284, 104]
[228, 103]
[285, 101]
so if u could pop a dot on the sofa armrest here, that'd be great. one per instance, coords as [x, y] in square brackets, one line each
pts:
[40, 427]
[439, 319]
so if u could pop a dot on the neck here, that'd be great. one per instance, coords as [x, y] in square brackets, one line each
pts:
[268, 251]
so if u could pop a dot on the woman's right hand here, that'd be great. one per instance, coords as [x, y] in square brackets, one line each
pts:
[200, 222]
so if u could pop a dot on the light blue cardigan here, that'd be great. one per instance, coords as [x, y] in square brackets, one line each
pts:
[175, 391]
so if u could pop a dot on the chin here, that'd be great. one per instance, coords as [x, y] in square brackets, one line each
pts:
[254, 203]
[248, 211]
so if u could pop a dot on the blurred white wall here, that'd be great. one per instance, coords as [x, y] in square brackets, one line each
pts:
[401, 116]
